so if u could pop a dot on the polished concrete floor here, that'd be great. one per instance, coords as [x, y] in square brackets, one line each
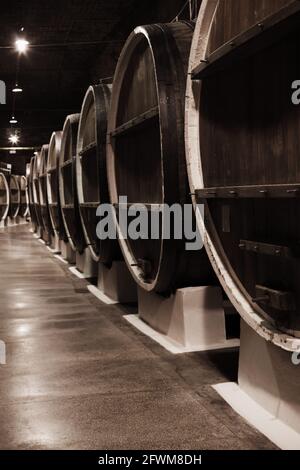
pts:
[78, 376]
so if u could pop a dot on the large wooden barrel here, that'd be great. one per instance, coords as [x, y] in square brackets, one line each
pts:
[35, 189]
[53, 185]
[15, 196]
[22, 180]
[91, 176]
[146, 152]
[4, 197]
[45, 213]
[32, 211]
[67, 184]
[242, 134]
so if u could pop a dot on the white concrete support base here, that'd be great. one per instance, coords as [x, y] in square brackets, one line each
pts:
[11, 221]
[21, 220]
[3, 223]
[38, 233]
[268, 394]
[192, 319]
[67, 253]
[86, 265]
[115, 284]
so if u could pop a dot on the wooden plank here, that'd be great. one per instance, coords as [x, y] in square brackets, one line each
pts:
[277, 299]
[67, 163]
[137, 205]
[267, 249]
[89, 148]
[261, 35]
[253, 191]
[90, 205]
[136, 121]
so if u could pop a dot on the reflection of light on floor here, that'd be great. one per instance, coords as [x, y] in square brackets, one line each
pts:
[20, 305]
[43, 426]
[23, 330]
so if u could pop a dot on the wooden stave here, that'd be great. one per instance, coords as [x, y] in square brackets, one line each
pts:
[249, 309]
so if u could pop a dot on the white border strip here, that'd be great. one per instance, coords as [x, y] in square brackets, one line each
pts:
[61, 259]
[41, 241]
[274, 429]
[172, 346]
[101, 296]
[52, 250]
[77, 273]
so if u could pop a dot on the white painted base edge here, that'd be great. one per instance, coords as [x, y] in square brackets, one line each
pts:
[36, 236]
[101, 296]
[275, 430]
[170, 345]
[77, 273]
[41, 241]
[52, 250]
[61, 259]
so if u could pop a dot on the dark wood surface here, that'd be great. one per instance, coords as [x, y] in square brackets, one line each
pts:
[78, 376]
[249, 133]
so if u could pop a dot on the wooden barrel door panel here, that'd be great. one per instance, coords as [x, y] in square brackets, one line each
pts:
[246, 166]
[67, 184]
[146, 156]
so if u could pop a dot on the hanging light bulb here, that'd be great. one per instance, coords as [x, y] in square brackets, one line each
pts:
[21, 45]
[13, 138]
[17, 89]
[13, 120]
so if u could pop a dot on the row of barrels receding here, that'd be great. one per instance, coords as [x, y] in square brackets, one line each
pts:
[196, 113]
[14, 198]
